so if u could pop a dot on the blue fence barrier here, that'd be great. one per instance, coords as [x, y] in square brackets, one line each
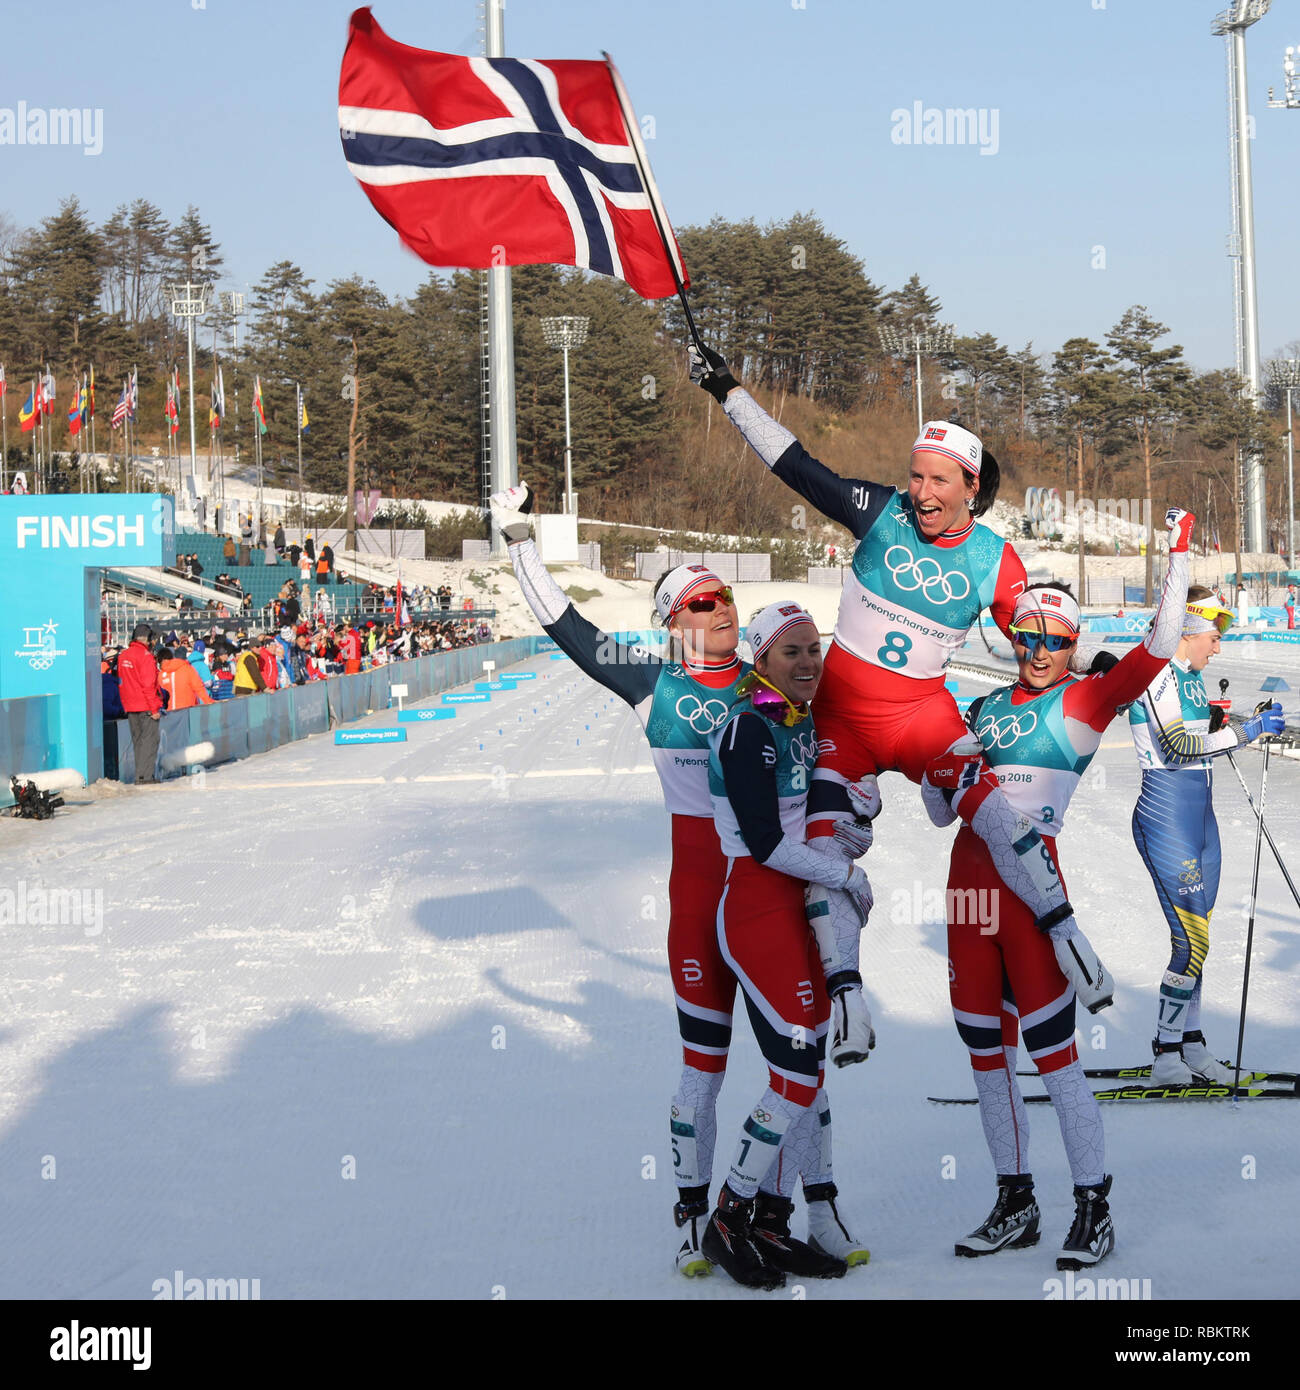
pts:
[257, 723]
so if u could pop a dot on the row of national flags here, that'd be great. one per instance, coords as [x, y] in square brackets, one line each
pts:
[40, 402]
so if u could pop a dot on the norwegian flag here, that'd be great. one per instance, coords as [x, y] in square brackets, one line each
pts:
[480, 162]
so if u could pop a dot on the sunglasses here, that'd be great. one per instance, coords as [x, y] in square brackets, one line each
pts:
[1220, 617]
[706, 603]
[768, 700]
[1032, 639]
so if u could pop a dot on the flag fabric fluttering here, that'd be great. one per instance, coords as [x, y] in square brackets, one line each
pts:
[303, 423]
[214, 408]
[29, 412]
[3, 383]
[91, 402]
[259, 409]
[122, 408]
[74, 411]
[480, 162]
[49, 388]
[133, 399]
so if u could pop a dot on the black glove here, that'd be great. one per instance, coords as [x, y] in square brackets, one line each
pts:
[1102, 662]
[1218, 718]
[709, 370]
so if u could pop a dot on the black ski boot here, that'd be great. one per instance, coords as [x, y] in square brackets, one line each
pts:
[771, 1233]
[1012, 1222]
[1092, 1237]
[728, 1242]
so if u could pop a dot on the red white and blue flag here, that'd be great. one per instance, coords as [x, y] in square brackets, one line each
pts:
[480, 162]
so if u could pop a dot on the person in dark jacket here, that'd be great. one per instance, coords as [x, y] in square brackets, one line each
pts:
[295, 550]
[279, 541]
[142, 701]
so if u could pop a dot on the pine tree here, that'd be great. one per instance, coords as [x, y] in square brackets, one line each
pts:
[1152, 398]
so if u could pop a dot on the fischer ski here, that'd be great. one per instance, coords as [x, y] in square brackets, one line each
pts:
[1156, 1093]
[1248, 1078]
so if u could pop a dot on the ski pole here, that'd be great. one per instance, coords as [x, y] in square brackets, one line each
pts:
[1250, 925]
[1295, 893]
[1268, 834]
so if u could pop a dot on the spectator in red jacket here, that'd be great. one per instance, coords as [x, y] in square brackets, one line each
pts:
[137, 673]
[268, 662]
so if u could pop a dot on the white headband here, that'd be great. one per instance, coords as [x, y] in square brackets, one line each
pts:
[1047, 603]
[681, 583]
[939, 437]
[765, 627]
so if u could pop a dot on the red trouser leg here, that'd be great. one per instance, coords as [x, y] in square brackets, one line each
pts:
[997, 956]
[765, 938]
[703, 985]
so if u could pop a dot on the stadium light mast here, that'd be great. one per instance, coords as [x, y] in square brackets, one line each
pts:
[564, 333]
[189, 302]
[1285, 372]
[933, 342]
[1233, 23]
[1290, 83]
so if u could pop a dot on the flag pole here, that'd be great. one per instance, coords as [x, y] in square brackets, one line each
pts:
[94, 461]
[652, 193]
[302, 509]
[4, 447]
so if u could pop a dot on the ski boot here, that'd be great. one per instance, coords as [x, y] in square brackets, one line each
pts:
[1012, 1222]
[728, 1241]
[771, 1232]
[691, 1218]
[1201, 1063]
[827, 1229]
[1092, 1237]
[1169, 1068]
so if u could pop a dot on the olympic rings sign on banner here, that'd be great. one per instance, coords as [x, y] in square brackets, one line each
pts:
[1005, 731]
[1044, 510]
[921, 578]
[706, 715]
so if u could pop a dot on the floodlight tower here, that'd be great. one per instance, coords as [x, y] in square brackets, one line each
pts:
[1285, 372]
[1291, 83]
[934, 342]
[565, 332]
[189, 302]
[1233, 23]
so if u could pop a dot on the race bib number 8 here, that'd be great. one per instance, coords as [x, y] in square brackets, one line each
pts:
[894, 652]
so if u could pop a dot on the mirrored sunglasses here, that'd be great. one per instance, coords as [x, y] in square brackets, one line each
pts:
[1032, 638]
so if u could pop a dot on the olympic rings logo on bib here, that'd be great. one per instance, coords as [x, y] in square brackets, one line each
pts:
[1005, 731]
[1196, 695]
[803, 750]
[703, 711]
[922, 579]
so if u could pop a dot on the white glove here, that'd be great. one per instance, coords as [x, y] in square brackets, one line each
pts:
[1080, 965]
[864, 796]
[510, 508]
[854, 837]
[858, 887]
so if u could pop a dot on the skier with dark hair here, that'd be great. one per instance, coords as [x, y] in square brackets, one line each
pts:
[760, 767]
[1038, 735]
[923, 570]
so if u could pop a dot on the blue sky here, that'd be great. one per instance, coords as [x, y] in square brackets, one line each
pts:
[1111, 132]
